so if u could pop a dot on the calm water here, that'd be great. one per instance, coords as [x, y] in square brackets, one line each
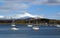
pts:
[27, 32]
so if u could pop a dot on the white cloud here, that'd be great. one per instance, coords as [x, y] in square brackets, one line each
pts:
[19, 0]
[58, 14]
[12, 6]
[55, 16]
[4, 11]
[48, 2]
[17, 5]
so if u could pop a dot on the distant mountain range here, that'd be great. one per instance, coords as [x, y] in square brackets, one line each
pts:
[21, 16]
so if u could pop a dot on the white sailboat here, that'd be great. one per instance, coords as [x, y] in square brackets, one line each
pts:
[58, 25]
[35, 28]
[14, 28]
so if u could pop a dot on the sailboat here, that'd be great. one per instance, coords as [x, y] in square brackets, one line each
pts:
[14, 25]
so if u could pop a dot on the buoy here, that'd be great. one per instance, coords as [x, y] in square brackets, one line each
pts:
[14, 28]
[35, 28]
[29, 25]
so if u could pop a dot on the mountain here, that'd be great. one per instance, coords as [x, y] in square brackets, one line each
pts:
[21, 16]
[1, 16]
[26, 15]
[4, 18]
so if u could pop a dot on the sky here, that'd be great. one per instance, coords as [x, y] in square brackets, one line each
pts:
[46, 8]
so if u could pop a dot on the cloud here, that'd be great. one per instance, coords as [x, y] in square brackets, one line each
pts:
[20, 0]
[53, 2]
[47, 2]
[35, 2]
[19, 5]
[4, 11]
[12, 6]
[55, 16]
[58, 14]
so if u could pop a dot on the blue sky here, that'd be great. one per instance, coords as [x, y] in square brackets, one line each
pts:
[45, 8]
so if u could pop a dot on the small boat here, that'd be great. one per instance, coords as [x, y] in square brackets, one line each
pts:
[58, 25]
[14, 28]
[35, 28]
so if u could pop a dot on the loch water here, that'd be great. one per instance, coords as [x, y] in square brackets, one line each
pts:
[27, 32]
